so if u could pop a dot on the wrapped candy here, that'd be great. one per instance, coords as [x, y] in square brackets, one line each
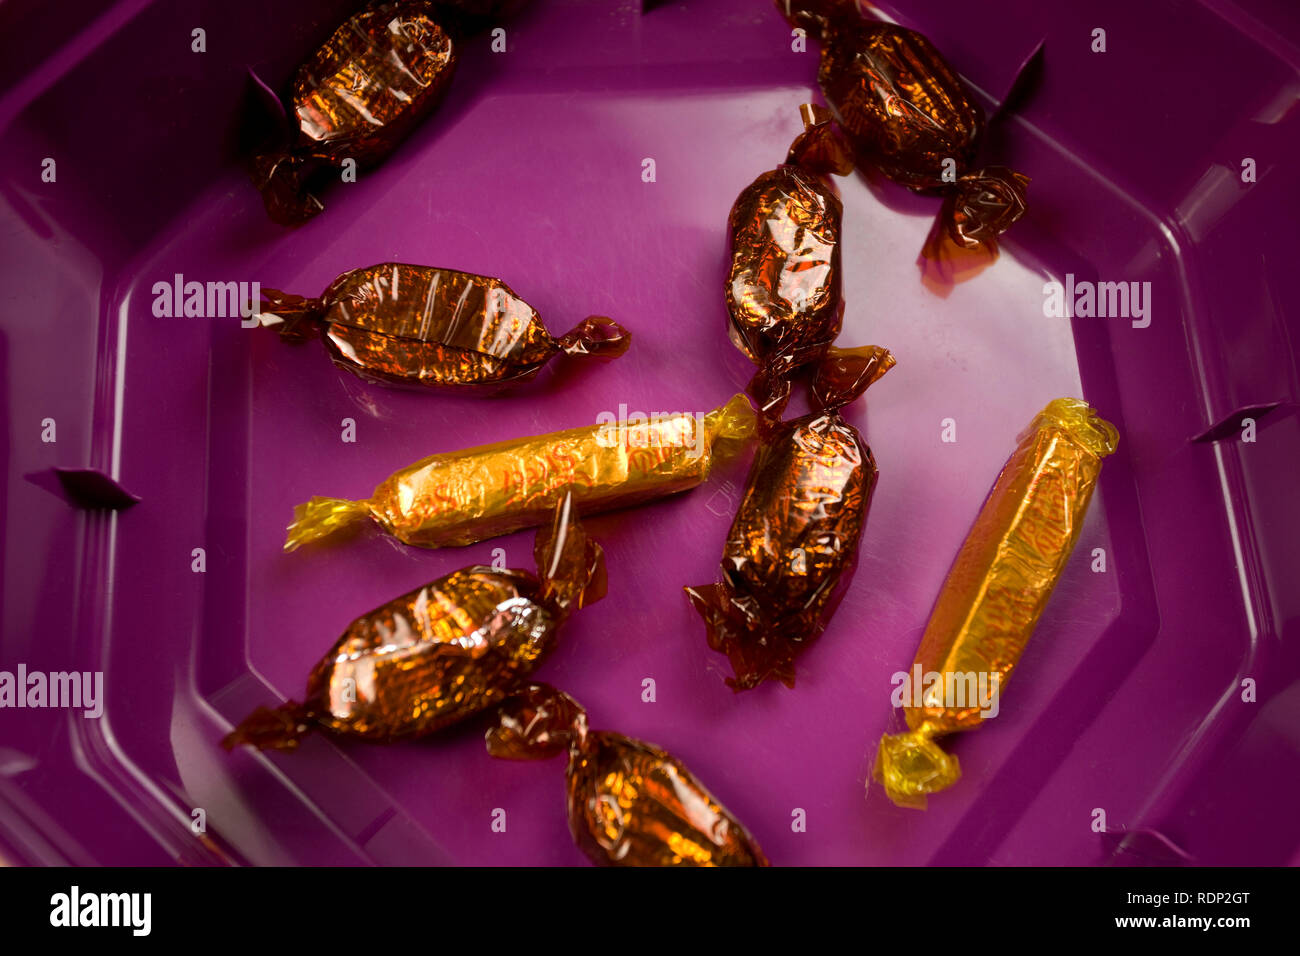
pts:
[907, 113]
[995, 592]
[435, 328]
[630, 803]
[443, 652]
[792, 547]
[784, 284]
[467, 496]
[356, 97]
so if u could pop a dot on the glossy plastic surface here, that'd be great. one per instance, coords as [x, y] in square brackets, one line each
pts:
[1129, 697]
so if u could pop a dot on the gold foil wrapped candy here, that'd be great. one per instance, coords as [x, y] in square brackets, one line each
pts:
[997, 588]
[461, 497]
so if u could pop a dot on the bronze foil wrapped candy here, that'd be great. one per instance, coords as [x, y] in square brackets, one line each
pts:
[629, 803]
[792, 548]
[908, 114]
[784, 287]
[425, 327]
[442, 652]
[357, 97]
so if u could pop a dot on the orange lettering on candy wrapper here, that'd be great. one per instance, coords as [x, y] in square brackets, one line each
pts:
[658, 442]
[1045, 532]
[537, 472]
[529, 475]
[645, 460]
[565, 460]
[436, 501]
[564, 468]
[554, 469]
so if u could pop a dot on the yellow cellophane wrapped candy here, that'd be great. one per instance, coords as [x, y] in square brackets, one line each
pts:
[998, 585]
[466, 496]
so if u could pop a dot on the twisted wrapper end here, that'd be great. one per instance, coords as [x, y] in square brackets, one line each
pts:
[570, 564]
[735, 627]
[770, 389]
[537, 723]
[844, 374]
[296, 318]
[322, 517]
[1080, 422]
[911, 765]
[269, 728]
[730, 428]
[963, 241]
[281, 178]
[597, 337]
[821, 147]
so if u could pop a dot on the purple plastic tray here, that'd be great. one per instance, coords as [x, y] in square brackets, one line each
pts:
[1128, 699]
